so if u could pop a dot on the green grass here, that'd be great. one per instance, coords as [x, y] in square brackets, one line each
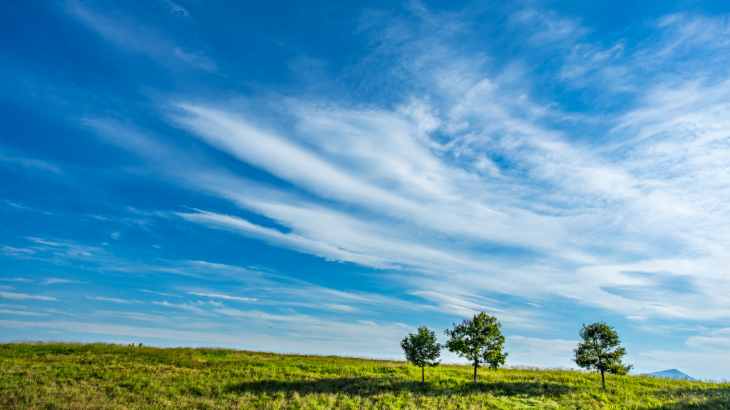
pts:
[90, 376]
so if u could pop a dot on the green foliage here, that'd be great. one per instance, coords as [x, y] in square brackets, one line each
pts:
[107, 376]
[421, 349]
[479, 340]
[601, 351]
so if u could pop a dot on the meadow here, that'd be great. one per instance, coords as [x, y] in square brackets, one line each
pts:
[94, 376]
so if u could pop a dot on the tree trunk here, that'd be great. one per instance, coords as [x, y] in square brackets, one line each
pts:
[603, 380]
[475, 371]
[423, 375]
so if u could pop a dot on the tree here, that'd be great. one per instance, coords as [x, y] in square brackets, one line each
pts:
[600, 350]
[479, 340]
[421, 349]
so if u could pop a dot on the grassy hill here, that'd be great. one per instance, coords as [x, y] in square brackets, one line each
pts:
[89, 376]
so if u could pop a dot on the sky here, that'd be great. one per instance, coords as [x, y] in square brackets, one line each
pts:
[324, 177]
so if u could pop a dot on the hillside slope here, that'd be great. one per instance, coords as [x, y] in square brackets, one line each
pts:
[68, 375]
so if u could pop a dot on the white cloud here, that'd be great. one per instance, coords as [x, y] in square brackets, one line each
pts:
[183, 306]
[64, 248]
[279, 156]
[9, 250]
[22, 313]
[176, 9]
[241, 313]
[197, 59]
[420, 186]
[22, 296]
[52, 281]
[340, 308]
[210, 302]
[115, 300]
[220, 296]
[276, 237]
[547, 27]
[446, 300]
[133, 37]
[29, 163]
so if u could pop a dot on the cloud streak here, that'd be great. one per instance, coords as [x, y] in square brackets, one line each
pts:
[24, 296]
[115, 300]
[219, 296]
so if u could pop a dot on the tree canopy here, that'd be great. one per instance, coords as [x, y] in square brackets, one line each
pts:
[600, 350]
[479, 340]
[421, 349]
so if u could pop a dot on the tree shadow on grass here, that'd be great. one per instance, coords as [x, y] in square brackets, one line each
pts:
[361, 386]
[715, 399]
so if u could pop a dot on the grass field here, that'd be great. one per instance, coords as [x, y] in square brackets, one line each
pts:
[93, 376]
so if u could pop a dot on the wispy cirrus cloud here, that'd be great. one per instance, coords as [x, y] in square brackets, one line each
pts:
[53, 281]
[276, 237]
[24, 296]
[127, 33]
[585, 178]
[184, 306]
[22, 313]
[220, 296]
[115, 300]
[28, 163]
[9, 250]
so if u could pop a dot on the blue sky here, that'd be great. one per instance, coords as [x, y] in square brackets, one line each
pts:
[324, 177]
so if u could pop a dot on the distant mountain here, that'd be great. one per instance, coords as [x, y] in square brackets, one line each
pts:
[671, 374]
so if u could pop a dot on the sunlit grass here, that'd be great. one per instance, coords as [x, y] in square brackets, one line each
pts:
[89, 376]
